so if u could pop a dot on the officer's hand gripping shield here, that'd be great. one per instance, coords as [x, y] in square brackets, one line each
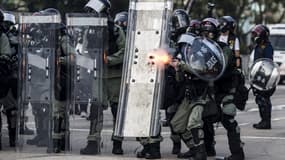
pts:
[37, 85]
[264, 74]
[142, 82]
[89, 36]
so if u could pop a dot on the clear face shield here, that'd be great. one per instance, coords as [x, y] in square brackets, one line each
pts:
[206, 59]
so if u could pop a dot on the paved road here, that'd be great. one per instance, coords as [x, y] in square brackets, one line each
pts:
[259, 144]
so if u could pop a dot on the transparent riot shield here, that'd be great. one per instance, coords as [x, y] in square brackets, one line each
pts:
[37, 91]
[89, 36]
[142, 83]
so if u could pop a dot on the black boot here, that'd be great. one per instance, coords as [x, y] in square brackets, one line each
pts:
[176, 147]
[44, 138]
[265, 109]
[199, 149]
[92, 148]
[200, 153]
[185, 155]
[144, 151]
[33, 141]
[56, 146]
[154, 151]
[262, 125]
[117, 147]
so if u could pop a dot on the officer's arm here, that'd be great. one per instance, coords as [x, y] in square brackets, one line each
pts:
[5, 48]
[118, 57]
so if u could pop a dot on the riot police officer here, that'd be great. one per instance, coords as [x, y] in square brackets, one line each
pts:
[5, 73]
[112, 81]
[121, 19]
[10, 30]
[180, 22]
[188, 121]
[225, 88]
[227, 26]
[263, 49]
[64, 54]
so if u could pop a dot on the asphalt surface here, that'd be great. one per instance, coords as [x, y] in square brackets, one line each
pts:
[259, 144]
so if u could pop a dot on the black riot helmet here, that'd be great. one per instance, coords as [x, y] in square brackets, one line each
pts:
[206, 59]
[8, 22]
[209, 28]
[227, 23]
[52, 11]
[185, 42]
[39, 31]
[195, 27]
[121, 19]
[99, 7]
[259, 34]
[264, 74]
[180, 20]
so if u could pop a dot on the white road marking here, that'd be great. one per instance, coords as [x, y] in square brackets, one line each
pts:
[266, 138]
[243, 124]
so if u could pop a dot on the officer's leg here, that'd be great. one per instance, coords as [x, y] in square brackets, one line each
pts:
[178, 124]
[117, 141]
[233, 130]
[209, 132]
[44, 120]
[265, 107]
[151, 147]
[175, 137]
[12, 123]
[59, 127]
[154, 147]
[194, 134]
[146, 146]
[96, 126]
[24, 130]
[36, 111]
[83, 110]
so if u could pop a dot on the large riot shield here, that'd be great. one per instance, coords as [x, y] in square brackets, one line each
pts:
[142, 83]
[38, 70]
[89, 35]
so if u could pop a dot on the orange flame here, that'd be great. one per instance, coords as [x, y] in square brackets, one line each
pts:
[159, 57]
